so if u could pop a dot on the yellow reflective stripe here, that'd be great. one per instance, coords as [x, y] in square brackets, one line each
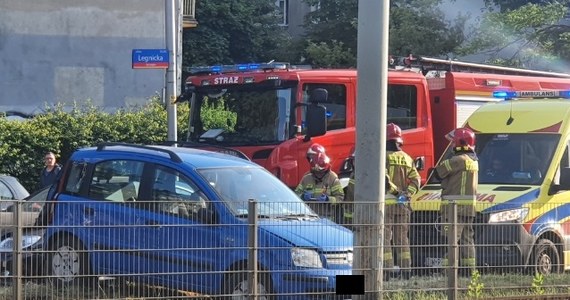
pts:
[347, 215]
[351, 181]
[463, 182]
[336, 188]
[391, 201]
[387, 255]
[447, 165]
[405, 255]
[445, 262]
[412, 189]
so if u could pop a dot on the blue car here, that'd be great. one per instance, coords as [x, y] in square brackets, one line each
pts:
[177, 217]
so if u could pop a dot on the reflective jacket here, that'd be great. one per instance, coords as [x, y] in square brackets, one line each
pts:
[459, 180]
[329, 184]
[403, 175]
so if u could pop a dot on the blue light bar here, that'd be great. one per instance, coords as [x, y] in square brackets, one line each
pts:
[504, 94]
[219, 69]
[564, 94]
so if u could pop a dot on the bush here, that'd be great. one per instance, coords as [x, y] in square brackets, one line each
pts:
[62, 130]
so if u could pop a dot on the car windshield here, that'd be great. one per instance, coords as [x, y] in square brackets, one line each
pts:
[513, 158]
[244, 114]
[237, 185]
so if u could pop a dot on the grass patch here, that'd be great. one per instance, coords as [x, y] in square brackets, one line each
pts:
[489, 286]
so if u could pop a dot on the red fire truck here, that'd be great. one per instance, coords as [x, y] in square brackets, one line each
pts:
[273, 112]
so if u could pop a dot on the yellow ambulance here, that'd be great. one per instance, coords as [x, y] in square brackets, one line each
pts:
[523, 200]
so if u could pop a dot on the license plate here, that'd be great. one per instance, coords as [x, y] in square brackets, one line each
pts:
[433, 262]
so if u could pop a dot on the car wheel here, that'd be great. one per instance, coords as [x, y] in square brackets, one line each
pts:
[545, 258]
[68, 263]
[237, 288]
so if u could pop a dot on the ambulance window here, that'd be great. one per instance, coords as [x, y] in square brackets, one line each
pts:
[336, 106]
[402, 105]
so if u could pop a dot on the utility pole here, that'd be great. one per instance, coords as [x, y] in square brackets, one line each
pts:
[172, 25]
[372, 66]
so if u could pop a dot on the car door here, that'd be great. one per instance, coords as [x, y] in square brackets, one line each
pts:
[111, 217]
[187, 247]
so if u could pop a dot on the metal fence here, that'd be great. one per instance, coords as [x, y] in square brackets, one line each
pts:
[169, 250]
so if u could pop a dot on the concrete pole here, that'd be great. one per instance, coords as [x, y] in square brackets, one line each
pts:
[171, 82]
[372, 65]
[179, 52]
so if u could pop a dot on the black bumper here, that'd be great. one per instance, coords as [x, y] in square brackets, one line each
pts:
[497, 245]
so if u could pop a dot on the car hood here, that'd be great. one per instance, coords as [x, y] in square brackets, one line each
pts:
[318, 233]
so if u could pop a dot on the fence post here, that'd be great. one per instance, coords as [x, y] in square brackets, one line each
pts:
[17, 252]
[452, 254]
[252, 251]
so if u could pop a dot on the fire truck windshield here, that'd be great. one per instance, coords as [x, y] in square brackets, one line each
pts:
[243, 114]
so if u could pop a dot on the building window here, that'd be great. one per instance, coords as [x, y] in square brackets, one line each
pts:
[283, 11]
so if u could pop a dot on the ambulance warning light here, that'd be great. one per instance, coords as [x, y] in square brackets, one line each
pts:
[508, 95]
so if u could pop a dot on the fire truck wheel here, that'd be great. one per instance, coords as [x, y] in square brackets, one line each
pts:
[545, 258]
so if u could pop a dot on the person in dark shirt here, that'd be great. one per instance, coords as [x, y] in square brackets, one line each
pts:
[50, 171]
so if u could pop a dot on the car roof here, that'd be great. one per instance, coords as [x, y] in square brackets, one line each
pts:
[15, 186]
[194, 157]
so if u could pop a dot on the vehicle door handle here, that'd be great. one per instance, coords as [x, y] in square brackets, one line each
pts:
[89, 211]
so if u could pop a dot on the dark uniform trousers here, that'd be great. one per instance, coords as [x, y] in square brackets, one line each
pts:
[465, 232]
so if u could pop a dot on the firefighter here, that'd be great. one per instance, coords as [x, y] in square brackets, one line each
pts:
[405, 180]
[459, 180]
[348, 207]
[320, 187]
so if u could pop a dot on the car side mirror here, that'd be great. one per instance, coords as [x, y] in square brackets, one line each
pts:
[564, 179]
[316, 121]
[420, 163]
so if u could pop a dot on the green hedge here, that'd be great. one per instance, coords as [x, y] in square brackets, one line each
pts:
[63, 129]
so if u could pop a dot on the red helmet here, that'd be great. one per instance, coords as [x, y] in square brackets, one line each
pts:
[314, 150]
[321, 162]
[394, 132]
[463, 137]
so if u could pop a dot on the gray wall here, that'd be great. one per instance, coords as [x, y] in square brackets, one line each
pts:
[72, 50]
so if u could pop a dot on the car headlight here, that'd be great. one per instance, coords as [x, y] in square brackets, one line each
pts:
[7, 245]
[307, 258]
[509, 215]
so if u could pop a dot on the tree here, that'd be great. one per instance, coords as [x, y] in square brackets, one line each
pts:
[531, 35]
[416, 26]
[506, 5]
[234, 31]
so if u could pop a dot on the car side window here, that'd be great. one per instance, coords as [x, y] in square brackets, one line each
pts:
[116, 180]
[75, 178]
[5, 193]
[175, 194]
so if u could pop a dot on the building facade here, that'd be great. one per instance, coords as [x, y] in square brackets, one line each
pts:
[69, 51]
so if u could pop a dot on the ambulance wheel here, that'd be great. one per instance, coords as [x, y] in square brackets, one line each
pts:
[545, 258]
